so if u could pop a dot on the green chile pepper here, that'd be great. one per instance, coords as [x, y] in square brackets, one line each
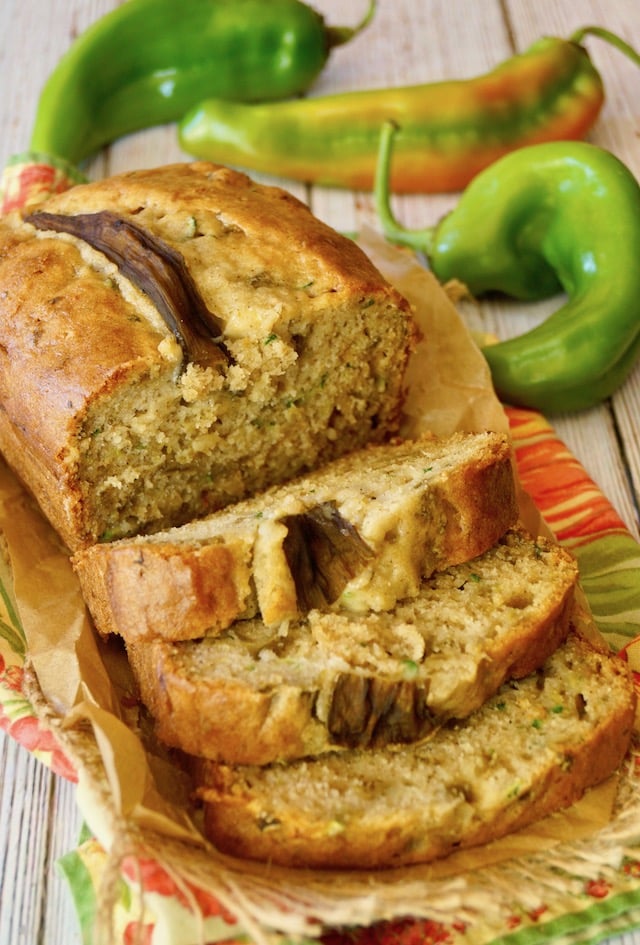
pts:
[561, 216]
[148, 61]
[449, 130]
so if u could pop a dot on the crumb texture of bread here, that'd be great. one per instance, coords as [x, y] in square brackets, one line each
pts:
[534, 748]
[358, 535]
[113, 429]
[255, 695]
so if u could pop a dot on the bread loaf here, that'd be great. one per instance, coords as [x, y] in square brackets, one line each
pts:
[254, 695]
[174, 339]
[360, 533]
[534, 748]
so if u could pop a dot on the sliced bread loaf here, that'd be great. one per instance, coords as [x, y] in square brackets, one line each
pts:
[253, 695]
[534, 748]
[360, 533]
[174, 339]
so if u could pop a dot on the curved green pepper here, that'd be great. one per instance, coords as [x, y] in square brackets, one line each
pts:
[561, 216]
[148, 61]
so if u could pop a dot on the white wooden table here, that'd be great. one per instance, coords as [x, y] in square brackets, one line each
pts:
[409, 41]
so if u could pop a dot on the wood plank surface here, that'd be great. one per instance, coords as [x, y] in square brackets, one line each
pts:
[409, 41]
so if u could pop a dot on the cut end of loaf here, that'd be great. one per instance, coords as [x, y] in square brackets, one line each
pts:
[532, 749]
[133, 434]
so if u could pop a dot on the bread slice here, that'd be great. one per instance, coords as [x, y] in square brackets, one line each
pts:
[534, 748]
[361, 533]
[174, 339]
[254, 695]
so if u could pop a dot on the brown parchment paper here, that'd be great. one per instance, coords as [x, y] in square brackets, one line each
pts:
[136, 800]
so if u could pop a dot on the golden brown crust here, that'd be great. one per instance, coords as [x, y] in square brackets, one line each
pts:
[78, 340]
[266, 221]
[205, 587]
[481, 498]
[78, 357]
[522, 774]
[268, 725]
[47, 279]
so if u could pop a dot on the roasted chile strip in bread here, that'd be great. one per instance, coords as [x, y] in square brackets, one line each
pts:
[102, 416]
[254, 694]
[361, 533]
[532, 749]
[157, 269]
[324, 553]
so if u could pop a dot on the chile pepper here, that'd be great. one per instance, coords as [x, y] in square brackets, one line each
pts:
[559, 216]
[448, 132]
[148, 61]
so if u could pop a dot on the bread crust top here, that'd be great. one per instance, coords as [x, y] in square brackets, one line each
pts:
[315, 345]
[236, 238]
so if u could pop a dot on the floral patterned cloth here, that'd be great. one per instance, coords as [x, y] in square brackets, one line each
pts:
[581, 518]
[30, 178]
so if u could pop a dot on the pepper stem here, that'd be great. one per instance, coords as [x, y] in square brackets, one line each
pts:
[339, 35]
[609, 37]
[419, 240]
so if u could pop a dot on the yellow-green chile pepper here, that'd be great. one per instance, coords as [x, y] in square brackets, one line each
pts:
[448, 131]
[148, 61]
[561, 216]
